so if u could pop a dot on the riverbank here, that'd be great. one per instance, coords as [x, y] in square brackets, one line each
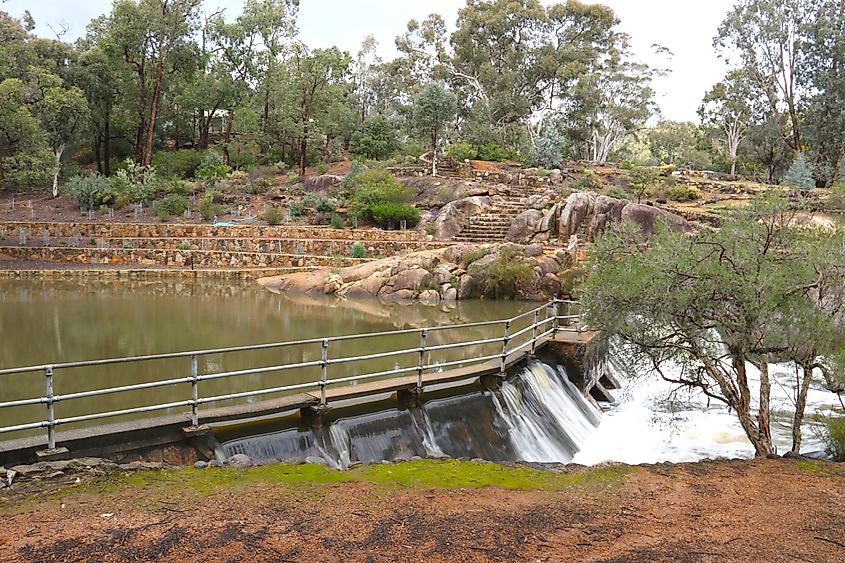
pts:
[768, 510]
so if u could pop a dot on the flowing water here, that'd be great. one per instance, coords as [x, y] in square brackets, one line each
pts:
[537, 415]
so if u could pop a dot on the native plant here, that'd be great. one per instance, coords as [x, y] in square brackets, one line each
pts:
[709, 310]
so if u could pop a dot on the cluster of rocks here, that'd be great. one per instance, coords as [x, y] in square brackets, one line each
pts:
[431, 276]
[73, 469]
[589, 215]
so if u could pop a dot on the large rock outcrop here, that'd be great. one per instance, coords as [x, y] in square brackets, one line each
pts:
[454, 215]
[432, 276]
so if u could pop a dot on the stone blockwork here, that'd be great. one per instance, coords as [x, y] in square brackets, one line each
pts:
[165, 230]
[148, 274]
[173, 258]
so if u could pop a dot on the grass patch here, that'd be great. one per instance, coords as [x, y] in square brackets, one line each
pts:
[311, 478]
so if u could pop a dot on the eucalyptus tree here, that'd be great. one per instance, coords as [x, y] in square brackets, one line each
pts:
[728, 108]
[434, 109]
[768, 36]
[700, 309]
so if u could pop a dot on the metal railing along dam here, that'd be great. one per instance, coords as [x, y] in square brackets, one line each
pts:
[439, 354]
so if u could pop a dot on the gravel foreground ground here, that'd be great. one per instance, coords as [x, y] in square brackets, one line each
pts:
[763, 510]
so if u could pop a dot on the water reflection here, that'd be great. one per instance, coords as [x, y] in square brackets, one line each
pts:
[59, 321]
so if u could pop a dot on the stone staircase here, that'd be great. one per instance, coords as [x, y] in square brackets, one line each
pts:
[493, 226]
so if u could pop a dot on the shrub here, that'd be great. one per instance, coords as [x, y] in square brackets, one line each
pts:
[212, 167]
[208, 207]
[475, 255]
[412, 149]
[273, 216]
[462, 151]
[389, 215]
[177, 164]
[836, 201]
[136, 182]
[84, 190]
[376, 138]
[322, 168]
[501, 278]
[496, 153]
[589, 181]
[319, 204]
[617, 192]
[358, 250]
[643, 181]
[546, 151]
[833, 433]
[355, 168]
[173, 204]
[800, 174]
[338, 222]
[683, 193]
[180, 187]
[297, 209]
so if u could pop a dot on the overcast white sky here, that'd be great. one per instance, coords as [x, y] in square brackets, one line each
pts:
[686, 27]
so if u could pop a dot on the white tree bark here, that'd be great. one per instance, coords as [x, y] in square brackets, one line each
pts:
[59, 151]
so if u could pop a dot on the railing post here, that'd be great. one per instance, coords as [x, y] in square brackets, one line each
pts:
[324, 368]
[195, 392]
[421, 365]
[51, 414]
[505, 341]
[534, 331]
[556, 321]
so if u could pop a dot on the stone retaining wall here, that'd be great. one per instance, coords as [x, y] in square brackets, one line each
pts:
[150, 274]
[174, 258]
[11, 229]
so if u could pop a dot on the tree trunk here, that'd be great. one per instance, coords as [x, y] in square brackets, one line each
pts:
[98, 143]
[139, 139]
[107, 145]
[148, 147]
[434, 154]
[59, 150]
[303, 146]
[227, 136]
[764, 424]
[801, 406]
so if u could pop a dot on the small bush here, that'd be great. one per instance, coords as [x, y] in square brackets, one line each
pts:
[136, 182]
[376, 139]
[358, 250]
[617, 192]
[389, 215]
[319, 204]
[212, 167]
[297, 209]
[836, 201]
[85, 190]
[412, 149]
[475, 255]
[833, 433]
[173, 204]
[496, 153]
[588, 182]
[322, 168]
[338, 222]
[355, 168]
[273, 216]
[683, 193]
[181, 164]
[501, 278]
[462, 151]
[208, 207]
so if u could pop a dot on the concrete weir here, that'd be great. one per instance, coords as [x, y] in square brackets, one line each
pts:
[174, 440]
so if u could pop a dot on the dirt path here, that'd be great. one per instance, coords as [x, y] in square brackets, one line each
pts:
[768, 510]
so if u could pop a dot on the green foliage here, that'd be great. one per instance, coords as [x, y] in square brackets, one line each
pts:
[177, 164]
[388, 214]
[412, 149]
[475, 255]
[546, 151]
[136, 182]
[358, 250]
[462, 151]
[434, 110]
[173, 204]
[319, 204]
[833, 433]
[497, 153]
[212, 167]
[836, 201]
[800, 174]
[297, 209]
[322, 168]
[355, 168]
[273, 216]
[208, 207]
[337, 222]
[643, 180]
[683, 192]
[588, 182]
[375, 139]
[502, 278]
[85, 190]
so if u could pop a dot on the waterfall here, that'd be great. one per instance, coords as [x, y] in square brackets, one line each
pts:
[548, 418]
[538, 415]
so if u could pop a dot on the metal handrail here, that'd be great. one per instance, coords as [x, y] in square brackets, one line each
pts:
[540, 318]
